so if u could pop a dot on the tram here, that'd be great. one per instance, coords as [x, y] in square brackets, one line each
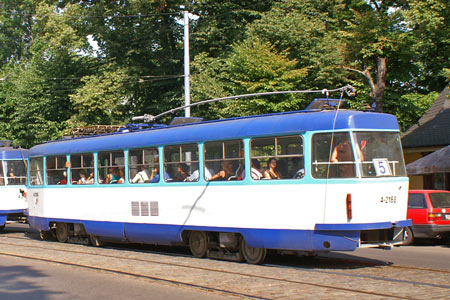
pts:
[338, 182]
[13, 176]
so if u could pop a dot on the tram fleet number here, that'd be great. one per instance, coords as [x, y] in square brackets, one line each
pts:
[388, 199]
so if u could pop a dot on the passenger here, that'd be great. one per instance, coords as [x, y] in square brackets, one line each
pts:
[155, 177]
[226, 172]
[343, 152]
[122, 175]
[183, 172]
[64, 180]
[255, 173]
[82, 179]
[141, 177]
[196, 175]
[12, 179]
[113, 176]
[272, 172]
[90, 179]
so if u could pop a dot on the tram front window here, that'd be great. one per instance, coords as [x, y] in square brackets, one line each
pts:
[16, 174]
[383, 154]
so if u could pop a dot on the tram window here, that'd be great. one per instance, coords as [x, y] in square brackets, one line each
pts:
[111, 166]
[277, 158]
[224, 160]
[382, 153]
[332, 156]
[142, 162]
[180, 163]
[37, 171]
[82, 168]
[2, 177]
[16, 172]
[56, 170]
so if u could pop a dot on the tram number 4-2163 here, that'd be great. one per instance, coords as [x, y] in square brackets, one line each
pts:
[388, 199]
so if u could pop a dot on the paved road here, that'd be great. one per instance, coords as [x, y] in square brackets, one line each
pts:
[282, 277]
[426, 254]
[22, 279]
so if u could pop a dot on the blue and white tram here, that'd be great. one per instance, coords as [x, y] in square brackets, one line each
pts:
[156, 185]
[13, 202]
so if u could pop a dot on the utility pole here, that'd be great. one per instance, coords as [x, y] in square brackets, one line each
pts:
[187, 87]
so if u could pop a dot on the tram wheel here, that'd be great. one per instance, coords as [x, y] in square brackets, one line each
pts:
[45, 235]
[409, 236]
[62, 232]
[95, 241]
[198, 243]
[254, 256]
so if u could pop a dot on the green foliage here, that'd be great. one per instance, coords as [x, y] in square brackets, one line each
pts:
[101, 100]
[66, 63]
[255, 67]
[409, 108]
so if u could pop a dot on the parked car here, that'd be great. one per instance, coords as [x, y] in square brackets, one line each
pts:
[429, 211]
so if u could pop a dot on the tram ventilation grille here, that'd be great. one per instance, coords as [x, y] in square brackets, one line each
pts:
[144, 208]
[154, 208]
[135, 209]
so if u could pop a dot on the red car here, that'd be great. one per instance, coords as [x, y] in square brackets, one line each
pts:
[429, 211]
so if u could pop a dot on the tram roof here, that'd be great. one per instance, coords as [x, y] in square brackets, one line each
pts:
[235, 128]
[11, 153]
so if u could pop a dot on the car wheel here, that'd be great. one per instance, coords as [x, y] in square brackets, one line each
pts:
[409, 236]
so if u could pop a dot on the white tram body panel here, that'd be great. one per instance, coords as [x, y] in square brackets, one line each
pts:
[297, 207]
[310, 214]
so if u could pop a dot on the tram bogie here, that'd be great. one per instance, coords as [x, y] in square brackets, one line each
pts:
[229, 189]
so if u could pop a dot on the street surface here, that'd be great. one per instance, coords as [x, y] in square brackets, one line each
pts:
[34, 269]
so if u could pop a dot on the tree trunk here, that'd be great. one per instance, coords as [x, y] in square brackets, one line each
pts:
[379, 88]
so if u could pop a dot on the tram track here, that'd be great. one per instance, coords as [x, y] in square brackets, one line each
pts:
[221, 272]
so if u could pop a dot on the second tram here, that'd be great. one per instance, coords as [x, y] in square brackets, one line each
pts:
[13, 202]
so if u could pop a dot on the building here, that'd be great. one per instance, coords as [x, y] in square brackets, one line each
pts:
[430, 134]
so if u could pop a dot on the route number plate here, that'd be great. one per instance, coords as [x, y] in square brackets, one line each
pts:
[382, 167]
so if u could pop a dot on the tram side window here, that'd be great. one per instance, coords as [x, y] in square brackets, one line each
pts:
[111, 167]
[277, 158]
[82, 168]
[56, 170]
[16, 174]
[37, 171]
[332, 156]
[224, 161]
[143, 165]
[2, 177]
[181, 163]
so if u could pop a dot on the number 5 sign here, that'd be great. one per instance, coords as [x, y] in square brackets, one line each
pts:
[382, 167]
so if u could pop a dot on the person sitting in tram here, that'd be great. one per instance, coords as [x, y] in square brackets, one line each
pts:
[64, 180]
[155, 177]
[255, 173]
[122, 176]
[113, 176]
[196, 175]
[90, 179]
[183, 172]
[343, 152]
[82, 179]
[272, 172]
[226, 172]
[141, 176]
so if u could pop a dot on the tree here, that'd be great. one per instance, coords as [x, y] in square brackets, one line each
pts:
[375, 38]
